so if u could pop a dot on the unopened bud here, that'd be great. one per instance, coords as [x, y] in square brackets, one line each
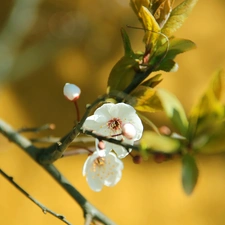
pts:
[128, 131]
[71, 92]
[101, 145]
[137, 159]
[165, 130]
[159, 157]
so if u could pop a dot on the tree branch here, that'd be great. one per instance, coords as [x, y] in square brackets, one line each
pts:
[109, 139]
[34, 152]
[56, 151]
[35, 201]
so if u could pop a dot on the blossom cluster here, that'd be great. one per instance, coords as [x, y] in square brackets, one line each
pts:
[115, 121]
[120, 122]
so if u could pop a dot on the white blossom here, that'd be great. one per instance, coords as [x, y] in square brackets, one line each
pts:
[102, 169]
[111, 120]
[71, 91]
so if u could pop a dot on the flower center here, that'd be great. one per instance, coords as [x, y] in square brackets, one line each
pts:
[98, 162]
[115, 124]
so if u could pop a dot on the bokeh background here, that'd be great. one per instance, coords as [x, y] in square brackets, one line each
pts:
[46, 43]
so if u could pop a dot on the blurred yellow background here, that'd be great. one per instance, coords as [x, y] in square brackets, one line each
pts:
[52, 42]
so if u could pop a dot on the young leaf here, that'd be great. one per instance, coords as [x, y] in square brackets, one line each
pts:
[174, 110]
[145, 99]
[189, 173]
[168, 66]
[207, 114]
[154, 142]
[151, 26]
[153, 81]
[210, 103]
[122, 74]
[176, 46]
[178, 16]
[126, 44]
[136, 6]
[161, 11]
[213, 143]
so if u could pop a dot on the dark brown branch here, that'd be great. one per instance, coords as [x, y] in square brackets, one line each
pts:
[34, 152]
[35, 201]
[109, 139]
[56, 151]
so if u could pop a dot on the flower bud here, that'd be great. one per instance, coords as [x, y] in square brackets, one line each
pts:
[71, 92]
[101, 145]
[165, 130]
[128, 131]
[159, 157]
[137, 159]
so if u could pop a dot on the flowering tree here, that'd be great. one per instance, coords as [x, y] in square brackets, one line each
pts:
[115, 119]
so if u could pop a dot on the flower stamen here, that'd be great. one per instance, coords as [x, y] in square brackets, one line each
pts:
[114, 124]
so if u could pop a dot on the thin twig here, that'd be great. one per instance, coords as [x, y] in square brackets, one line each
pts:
[50, 140]
[56, 151]
[109, 139]
[48, 126]
[77, 110]
[35, 201]
[141, 75]
[88, 219]
[34, 152]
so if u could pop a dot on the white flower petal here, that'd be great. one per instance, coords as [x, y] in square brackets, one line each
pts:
[112, 180]
[109, 119]
[104, 110]
[94, 184]
[90, 123]
[120, 151]
[125, 110]
[101, 169]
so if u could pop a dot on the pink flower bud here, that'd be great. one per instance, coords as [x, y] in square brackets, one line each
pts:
[137, 159]
[101, 145]
[128, 131]
[71, 92]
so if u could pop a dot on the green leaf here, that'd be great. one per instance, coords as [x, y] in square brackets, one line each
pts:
[144, 99]
[151, 26]
[122, 74]
[178, 16]
[136, 6]
[161, 10]
[126, 44]
[153, 81]
[176, 46]
[207, 115]
[152, 141]
[189, 173]
[174, 110]
[168, 66]
[210, 103]
[212, 143]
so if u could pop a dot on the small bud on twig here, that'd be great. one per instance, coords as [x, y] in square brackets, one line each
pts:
[137, 159]
[101, 145]
[128, 131]
[71, 92]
